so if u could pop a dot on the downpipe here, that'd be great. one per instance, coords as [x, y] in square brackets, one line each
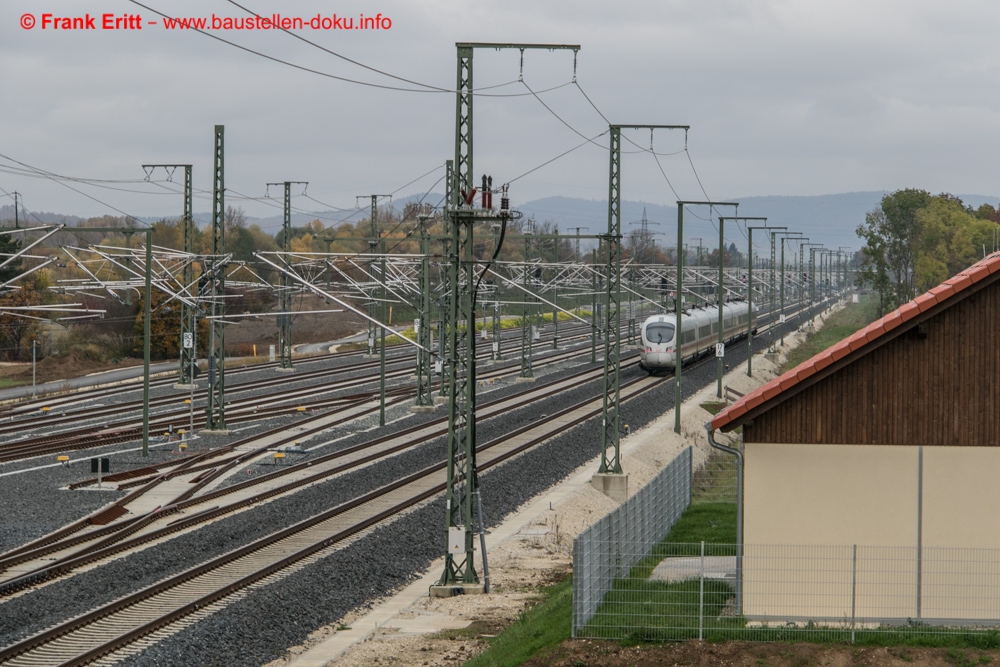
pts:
[739, 510]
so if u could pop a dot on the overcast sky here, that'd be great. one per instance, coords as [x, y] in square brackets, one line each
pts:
[793, 97]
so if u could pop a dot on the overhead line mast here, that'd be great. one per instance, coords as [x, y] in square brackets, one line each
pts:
[611, 418]
[462, 481]
[188, 355]
[285, 300]
[216, 408]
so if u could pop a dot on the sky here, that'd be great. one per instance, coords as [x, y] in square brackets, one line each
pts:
[783, 97]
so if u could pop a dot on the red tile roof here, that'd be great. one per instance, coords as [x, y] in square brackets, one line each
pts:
[772, 391]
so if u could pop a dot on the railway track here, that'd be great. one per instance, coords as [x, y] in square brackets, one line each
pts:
[33, 563]
[109, 627]
[104, 630]
[237, 411]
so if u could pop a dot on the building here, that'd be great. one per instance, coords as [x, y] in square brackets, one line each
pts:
[884, 448]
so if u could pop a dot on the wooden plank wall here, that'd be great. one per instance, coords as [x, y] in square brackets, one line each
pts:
[940, 390]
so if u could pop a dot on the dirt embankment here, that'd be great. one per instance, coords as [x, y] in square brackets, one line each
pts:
[583, 653]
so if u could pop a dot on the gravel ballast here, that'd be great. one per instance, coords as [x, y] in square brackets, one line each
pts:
[258, 628]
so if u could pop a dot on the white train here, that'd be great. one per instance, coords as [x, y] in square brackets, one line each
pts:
[700, 333]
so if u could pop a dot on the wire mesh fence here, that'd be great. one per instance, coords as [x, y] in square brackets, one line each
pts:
[849, 593]
[610, 548]
[715, 480]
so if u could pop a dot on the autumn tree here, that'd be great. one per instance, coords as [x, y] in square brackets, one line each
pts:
[892, 239]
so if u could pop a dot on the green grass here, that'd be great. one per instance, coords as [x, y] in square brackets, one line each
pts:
[715, 481]
[713, 408]
[640, 610]
[7, 382]
[713, 523]
[544, 625]
[839, 326]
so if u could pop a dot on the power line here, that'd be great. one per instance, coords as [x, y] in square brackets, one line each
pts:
[426, 89]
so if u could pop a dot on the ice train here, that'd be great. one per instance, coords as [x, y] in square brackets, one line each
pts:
[699, 334]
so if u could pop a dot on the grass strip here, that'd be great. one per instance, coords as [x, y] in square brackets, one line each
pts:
[542, 626]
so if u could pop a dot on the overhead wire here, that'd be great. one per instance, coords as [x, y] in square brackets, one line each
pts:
[427, 87]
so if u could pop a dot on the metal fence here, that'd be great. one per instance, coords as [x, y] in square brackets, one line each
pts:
[852, 593]
[610, 548]
[715, 479]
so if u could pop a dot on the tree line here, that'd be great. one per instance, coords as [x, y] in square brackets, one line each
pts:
[915, 240]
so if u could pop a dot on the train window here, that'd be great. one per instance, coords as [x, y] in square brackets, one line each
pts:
[715, 327]
[687, 337]
[660, 332]
[705, 331]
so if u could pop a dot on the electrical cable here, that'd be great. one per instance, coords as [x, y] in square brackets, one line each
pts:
[432, 89]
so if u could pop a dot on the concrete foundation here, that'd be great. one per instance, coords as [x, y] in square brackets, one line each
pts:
[184, 386]
[422, 408]
[612, 485]
[451, 590]
[218, 431]
[440, 400]
[520, 380]
[279, 369]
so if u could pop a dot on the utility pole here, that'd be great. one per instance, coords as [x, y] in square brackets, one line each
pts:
[285, 287]
[720, 345]
[444, 309]
[373, 244]
[527, 310]
[424, 402]
[188, 355]
[462, 477]
[679, 301]
[781, 318]
[750, 317]
[812, 273]
[593, 306]
[608, 478]
[146, 321]
[721, 342]
[579, 258]
[555, 294]
[17, 223]
[215, 411]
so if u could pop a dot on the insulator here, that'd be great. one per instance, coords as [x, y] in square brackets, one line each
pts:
[505, 203]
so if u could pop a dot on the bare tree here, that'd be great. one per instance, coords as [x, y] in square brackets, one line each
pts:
[236, 218]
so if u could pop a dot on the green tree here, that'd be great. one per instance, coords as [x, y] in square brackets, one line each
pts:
[892, 235]
[164, 328]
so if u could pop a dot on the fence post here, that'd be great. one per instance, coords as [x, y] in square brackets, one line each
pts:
[854, 587]
[701, 595]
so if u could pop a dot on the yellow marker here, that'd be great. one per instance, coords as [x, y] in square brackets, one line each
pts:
[62, 459]
[187, 401]
[301, 409]
[183, 446]
[46, 409]
[181, 431]
[278, 456]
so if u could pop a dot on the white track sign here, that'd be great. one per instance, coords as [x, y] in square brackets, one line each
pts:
[720, 350]
[188, 340]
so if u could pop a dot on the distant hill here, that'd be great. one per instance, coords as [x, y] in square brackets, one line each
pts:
[36, 217]
[828, 219]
